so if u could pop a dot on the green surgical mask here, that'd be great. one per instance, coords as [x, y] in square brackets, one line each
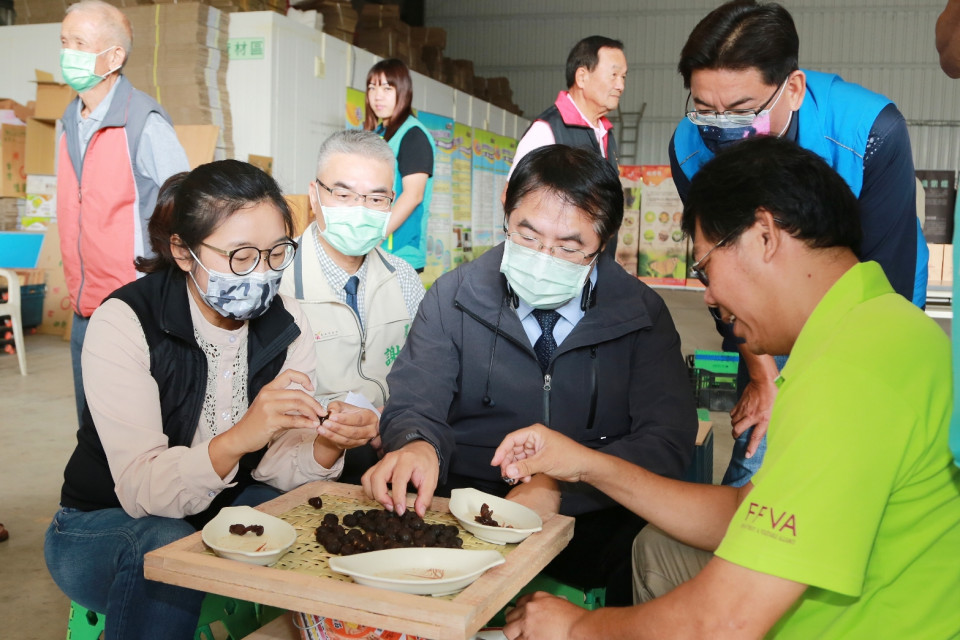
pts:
[354, 231]
[542, 281]
[78, 68]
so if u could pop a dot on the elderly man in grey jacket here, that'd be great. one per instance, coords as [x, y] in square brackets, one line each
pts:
[542, 329]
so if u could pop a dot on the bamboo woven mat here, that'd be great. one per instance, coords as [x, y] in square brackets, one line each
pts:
[308, 556]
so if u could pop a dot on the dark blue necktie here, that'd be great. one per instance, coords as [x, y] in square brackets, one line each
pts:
[351, 288]
[545, 344]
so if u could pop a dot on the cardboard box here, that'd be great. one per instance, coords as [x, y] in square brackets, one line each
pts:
[302, 215]
[339, 17]
[13, 177]
[10, 213]
[386, 42]
[940, 198]
[41, 203]
[199, 141]
[461, 75]
[41, 149]
[663, 247]
[57, 312]
[380, 15]
[262, 162]
[52, 97]
[20, 111]
[429, 36]
[935, 263]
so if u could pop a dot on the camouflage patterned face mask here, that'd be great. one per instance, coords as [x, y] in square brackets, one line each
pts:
[239, 297]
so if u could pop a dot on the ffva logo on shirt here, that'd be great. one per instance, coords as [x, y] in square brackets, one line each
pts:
[768, 519]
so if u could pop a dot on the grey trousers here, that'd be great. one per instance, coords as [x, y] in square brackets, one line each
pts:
[660, 563]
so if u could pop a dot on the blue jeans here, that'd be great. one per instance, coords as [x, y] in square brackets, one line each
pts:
[741, 469]
[78, 331]
[96, 558]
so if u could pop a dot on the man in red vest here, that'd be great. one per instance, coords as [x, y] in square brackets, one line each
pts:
[117, 147]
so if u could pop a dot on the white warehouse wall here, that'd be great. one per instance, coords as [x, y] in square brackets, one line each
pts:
[280, 105]
[888, 46]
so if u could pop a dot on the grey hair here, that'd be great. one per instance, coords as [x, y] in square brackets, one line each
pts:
[115, 28]
[353, 142]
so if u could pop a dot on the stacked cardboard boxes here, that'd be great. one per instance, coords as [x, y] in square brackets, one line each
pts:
[500, 94]
[339, 17]
[45, 11]
[180, 59]
[426, 49]
[458, 74]
[381, 31]
[39, 11]
[10, 212]
[14, 181]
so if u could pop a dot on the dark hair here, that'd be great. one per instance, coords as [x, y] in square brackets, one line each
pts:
[192, 205]
[580, 177]
[586, 53]
[397, 76]
[742, 35]
[807, 197]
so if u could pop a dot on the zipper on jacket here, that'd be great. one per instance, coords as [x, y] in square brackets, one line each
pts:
[547, 378]
[594, 375]
[363, 357]
[83, 272]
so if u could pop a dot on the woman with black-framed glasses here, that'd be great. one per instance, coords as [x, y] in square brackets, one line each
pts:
[199, 382]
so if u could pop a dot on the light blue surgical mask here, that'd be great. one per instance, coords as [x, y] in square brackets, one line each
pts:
[78, 68]
[542, 281]
[239, 297]
[354, 231]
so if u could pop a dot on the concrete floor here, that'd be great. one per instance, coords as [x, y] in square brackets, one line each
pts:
[37, 432]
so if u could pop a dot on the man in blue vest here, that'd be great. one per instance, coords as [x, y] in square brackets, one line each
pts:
[740, 65]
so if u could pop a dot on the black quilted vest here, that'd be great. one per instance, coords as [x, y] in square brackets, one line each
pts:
[180, 368]
[579, 136]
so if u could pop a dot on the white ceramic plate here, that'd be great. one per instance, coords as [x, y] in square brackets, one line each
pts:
[516, 521]
[420, 570]
[278, 536]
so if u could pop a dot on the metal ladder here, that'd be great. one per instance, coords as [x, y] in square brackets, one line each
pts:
[626, 125]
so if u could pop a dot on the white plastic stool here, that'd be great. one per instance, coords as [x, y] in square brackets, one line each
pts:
[12, 308]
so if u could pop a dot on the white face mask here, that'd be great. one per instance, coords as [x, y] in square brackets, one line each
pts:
[542, 281]
[239, 297]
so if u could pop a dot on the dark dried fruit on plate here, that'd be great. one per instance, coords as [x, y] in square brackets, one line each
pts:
[486, 516]
[377, 529]
[240, 529]
[316, 502]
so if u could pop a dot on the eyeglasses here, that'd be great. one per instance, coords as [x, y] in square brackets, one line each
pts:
[576, 256]
[738, 117]
[245, 259]
[343, 196]
[696, 269]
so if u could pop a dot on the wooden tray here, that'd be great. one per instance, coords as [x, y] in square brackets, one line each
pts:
[302, 583]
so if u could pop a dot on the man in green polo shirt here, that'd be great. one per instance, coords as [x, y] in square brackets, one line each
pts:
[851, 528]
